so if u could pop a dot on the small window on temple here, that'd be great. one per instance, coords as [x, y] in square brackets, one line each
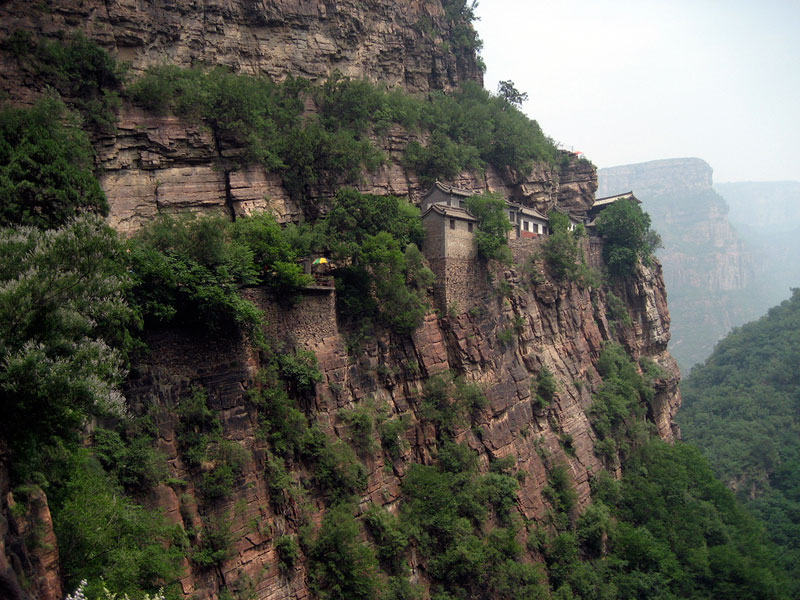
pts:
[452, 223]
[535, 228]
[525, 225]
[469, 227]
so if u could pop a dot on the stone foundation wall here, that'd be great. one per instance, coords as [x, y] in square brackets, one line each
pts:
[308, 322]
[465, 284]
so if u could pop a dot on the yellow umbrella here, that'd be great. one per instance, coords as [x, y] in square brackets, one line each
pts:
[320, 261]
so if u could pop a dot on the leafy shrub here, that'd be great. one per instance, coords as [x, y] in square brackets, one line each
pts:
[197, 426]
[79, 69]
[438, 405]
[299, 370]
[617, 311]
[471, 128]
[620, 404]
[337, 471]
[385, 279]
[560, 491]
[491, 239]
[500, 492]
[361, 426]
[214, 544]
[545, 388]
[386, 529]
[562, 252]
[279, 482]
[189, 270]
[64, 333]
[229, 459]
[280, 422]
[136, 463]
[391, 432]
[275, 254]
[105, 538]
[288, 551]
[628, 238]
[340, 566]
[46, 163]
[457, 458]
[445, 510]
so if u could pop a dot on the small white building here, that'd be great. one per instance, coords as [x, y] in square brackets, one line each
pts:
[528, 222]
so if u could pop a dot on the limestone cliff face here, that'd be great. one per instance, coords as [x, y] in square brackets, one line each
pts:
[708, 268]
[559, 326]
[404, 44]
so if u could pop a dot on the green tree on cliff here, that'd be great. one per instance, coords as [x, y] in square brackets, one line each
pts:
[62, 312]
[625, 228]
[45, 167]
[491, 239]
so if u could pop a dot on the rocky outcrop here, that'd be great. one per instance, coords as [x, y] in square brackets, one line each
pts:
[155, 164]
[29, 559]
[410, 45]
[708, 267]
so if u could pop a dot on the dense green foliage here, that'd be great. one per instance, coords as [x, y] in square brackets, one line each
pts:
[668, 529]
[82, 72]
[491, 239]
[341, 566]
[445, 509]
[189, 270]
[61, 307]
[563, 253]
[628, 238]
[714, 549]
[468, 129]
[618, 410]
[741, 409]
[460, 15]
[46, 165]
[102, 532]
[382, 277]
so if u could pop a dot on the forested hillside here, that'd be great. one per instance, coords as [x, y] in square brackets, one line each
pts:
[742, 408]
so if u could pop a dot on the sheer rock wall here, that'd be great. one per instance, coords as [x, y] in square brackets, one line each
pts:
[561, 326]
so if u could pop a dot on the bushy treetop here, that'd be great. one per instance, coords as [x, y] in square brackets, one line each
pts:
[625, 227]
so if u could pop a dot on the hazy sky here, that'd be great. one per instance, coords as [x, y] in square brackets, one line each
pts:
[631, 81]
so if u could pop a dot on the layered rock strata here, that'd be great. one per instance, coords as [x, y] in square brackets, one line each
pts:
[410, 44]
[561, 326]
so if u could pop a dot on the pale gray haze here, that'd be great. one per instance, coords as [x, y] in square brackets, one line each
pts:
[632, 81]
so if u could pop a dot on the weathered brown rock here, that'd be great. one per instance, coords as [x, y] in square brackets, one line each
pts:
[561, 326]
[380, 40]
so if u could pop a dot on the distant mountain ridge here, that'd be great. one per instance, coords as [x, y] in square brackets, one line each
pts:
[767, 214]
[709, 268]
